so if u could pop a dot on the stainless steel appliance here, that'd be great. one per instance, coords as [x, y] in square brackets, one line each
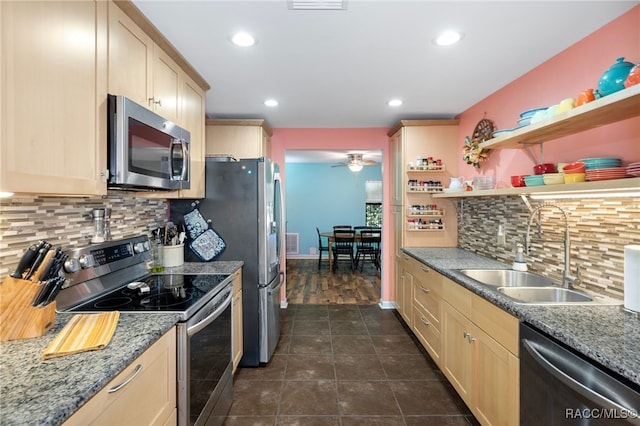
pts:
[146, 151]
[558, 386]
[244, 204]
[115, 276]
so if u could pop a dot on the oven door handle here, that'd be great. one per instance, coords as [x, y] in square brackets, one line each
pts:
[211, 317]
[572, 382]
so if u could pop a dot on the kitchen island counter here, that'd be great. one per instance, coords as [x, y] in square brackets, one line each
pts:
[606, 334]
[47, 392]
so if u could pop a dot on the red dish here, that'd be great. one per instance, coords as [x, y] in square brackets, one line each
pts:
[517, 181]
[543, 168]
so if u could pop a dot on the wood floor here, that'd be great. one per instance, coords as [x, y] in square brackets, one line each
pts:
[308, 285]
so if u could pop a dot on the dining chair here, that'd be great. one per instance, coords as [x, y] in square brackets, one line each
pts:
[368, 246]
[347, 227]
[322, 248]
[343, 247]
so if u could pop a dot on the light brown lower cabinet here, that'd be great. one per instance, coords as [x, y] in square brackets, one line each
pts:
[480, 355]
[473, 342]
[143, 394]
[236, 320]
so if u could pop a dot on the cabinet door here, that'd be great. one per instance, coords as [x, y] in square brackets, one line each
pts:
[496, 394]
[192, 117]
[397, 168]
[457, 353]
[130, 58]
[236, 312]
[148, 397]
[166, 86]
[53, 102]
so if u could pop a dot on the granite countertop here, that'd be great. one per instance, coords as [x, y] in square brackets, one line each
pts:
[34, 391]
[38, 392]
[606, 334]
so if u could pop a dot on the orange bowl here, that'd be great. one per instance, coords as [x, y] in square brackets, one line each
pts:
[577, 167]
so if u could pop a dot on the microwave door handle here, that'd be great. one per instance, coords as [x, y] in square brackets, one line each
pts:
[172, 145]
[185, 155]
[185, 160]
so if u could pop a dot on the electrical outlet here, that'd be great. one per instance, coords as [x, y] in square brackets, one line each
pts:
[502, 237]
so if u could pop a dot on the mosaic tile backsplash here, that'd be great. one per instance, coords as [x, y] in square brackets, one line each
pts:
[67, 222]
[599, 228]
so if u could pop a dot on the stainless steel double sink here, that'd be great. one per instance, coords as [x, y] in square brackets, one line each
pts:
[530, 288]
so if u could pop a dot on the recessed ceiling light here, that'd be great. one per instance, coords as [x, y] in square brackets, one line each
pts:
[271, 102]
[448, 38]
[243, 39]
[394, 102]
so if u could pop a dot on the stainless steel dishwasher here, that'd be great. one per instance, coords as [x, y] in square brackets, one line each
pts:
[561, 387]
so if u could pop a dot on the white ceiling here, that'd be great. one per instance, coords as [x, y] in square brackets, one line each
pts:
[337, 69]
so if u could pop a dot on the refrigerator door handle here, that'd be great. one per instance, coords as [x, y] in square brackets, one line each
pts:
[276, 289]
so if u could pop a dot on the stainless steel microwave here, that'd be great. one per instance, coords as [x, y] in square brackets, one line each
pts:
[146, 151]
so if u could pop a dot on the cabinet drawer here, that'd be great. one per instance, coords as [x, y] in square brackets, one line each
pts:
[427, 295]
[148, 398]
[457, 296]
[427, 329]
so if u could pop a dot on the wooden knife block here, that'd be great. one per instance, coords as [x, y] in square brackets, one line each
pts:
[18, 319]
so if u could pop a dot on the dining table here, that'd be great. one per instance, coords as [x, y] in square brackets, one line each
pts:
[329, 236]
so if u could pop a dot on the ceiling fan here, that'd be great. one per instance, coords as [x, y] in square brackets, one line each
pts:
[355, 162]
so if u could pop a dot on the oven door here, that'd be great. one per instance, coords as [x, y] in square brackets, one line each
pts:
[204, 363]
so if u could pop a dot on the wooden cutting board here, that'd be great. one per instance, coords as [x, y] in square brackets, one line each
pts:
[83, 332]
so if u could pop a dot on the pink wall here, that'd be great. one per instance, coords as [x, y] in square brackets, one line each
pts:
[339, 139]
[577, 68]
[563, 76]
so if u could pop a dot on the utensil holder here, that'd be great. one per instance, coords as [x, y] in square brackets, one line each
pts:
[173, 255]
[18, 319]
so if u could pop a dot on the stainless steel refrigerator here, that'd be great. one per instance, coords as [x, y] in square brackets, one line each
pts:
[243, 202]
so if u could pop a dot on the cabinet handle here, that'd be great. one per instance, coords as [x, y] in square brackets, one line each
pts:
[133, 375]
[465, 335]
[153, 101]
[424, 320]
[425, 269]
[426, 290]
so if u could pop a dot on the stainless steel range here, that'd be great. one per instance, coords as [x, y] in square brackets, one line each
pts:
[114, 276]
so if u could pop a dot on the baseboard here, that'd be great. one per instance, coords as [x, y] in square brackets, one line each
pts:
[304, 256]
[387, 304]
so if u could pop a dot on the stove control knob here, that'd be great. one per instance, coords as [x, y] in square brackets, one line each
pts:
[139, 248]
[85, 261]
[72, 265]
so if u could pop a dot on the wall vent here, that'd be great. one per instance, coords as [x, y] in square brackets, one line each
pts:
[293, 243]
[317, 4]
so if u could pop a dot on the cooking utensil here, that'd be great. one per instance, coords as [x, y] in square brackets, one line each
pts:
[26, 261]
[39, 258]
[44, 267]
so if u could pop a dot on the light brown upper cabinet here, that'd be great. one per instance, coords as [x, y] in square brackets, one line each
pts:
[144, 67]
[139, 69]
[53, 97]
[238, 138]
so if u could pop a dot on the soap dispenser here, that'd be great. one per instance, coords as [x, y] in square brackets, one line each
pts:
[519, 263]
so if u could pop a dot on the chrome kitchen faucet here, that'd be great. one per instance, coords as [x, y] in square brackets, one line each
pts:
[566, 278]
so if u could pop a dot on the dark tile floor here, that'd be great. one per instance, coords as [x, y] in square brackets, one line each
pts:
[345, 365]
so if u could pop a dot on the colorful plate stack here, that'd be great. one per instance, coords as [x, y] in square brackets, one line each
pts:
[633, 169]
[605, 168]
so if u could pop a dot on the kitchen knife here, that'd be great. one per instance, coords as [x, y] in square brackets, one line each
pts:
[45, 266]
[26, 260]
[49, 291]
[39, 258]
[42, 292]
